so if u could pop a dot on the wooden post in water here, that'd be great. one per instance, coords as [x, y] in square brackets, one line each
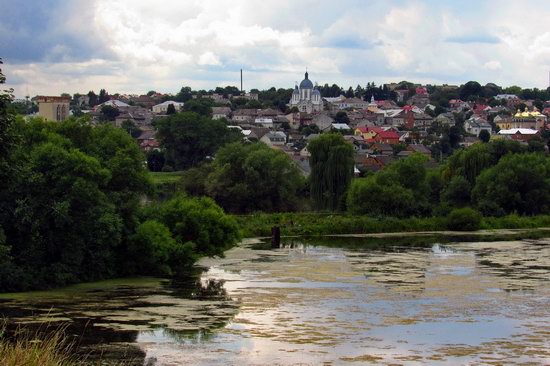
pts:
[275, 237]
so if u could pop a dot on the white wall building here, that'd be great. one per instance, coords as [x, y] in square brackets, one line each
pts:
[162, 108]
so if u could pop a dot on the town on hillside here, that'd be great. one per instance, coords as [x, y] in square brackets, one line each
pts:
[382, 123]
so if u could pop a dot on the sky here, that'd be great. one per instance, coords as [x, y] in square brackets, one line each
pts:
[133, 46]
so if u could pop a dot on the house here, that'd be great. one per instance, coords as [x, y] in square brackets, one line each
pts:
[244, 115]
[323, 121]
[274, 138]
[113, 103]
[221, 112]
[475, 125]
[264, 122]
[519, 134]
[387, 136]
[144, 101]
[354, 103]
[419, 148]
[53, 108]
[382, 148]
[343, 127]
[162, 108]
[445, 119]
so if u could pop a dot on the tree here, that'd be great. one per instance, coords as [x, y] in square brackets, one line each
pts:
[184, 94]
[470, 89]
[457, 193]
[92, 99]
[197, 223]
[171, 109]
[350, 93]
[188, 138]
[155, 161]
[200, 106]
[341, 117]
[399, 190]
[253, 177]
[484, 136]
[103, 96]
[332, 165]
[518, 183]
[109, 113]
[130, 127]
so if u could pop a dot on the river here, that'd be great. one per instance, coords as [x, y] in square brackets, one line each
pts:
[333, 301]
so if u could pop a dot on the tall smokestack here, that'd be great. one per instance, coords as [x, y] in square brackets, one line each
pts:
[241, 81]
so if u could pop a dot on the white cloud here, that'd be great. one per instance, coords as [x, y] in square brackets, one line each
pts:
[208, 58]
[492, 65]
[203, 43]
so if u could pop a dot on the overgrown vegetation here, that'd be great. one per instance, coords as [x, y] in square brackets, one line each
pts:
[71, 208]
[34, 350]
[317, 224]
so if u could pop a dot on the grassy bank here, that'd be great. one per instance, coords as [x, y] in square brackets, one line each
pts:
[328, 224]
[33, 350]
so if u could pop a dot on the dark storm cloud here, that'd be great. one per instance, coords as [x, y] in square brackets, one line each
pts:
[45, 31]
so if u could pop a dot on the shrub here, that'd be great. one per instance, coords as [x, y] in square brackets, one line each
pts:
[464, 219]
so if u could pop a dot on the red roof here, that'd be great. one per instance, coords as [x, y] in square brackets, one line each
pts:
[390, 134]
[421, 90]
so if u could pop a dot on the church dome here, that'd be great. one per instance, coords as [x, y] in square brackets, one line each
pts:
[306, 83]
[296, 91]
[316, 91]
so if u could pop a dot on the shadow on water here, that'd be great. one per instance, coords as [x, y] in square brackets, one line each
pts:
[104, 322]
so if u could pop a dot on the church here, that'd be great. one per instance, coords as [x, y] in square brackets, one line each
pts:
[306, 97]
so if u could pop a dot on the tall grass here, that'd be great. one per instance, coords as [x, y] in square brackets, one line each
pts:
[315, 224]
[33, 349]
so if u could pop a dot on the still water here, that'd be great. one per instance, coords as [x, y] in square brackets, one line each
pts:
[337, 301]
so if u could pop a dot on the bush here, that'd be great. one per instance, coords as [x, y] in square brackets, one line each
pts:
[464, 219]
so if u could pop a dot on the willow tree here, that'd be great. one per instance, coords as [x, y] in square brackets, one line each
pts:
[331, 164]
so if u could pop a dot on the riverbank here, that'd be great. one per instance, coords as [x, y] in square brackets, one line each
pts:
[319, 224]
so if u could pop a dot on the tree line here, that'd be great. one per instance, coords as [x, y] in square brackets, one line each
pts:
[71, 208]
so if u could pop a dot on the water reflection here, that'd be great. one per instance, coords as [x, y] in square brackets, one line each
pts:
[419, 299]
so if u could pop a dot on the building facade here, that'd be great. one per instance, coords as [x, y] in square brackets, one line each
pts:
[306, 97]
[53, 108]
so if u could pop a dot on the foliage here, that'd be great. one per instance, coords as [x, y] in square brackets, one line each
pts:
[155, 160]
[109, 113]
[251, 177]
[171, 109]
[484, 135]
[153, 249]
[189, 138]
[130, 127]
[51, 349]
[198, 225]
[200, 106]
[331, 170]
[518, 183]
[464, 219]
[317, 224]
[400, 190]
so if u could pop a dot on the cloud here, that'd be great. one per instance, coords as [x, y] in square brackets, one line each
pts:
[139, 45]
[473, 38]
[492, 65]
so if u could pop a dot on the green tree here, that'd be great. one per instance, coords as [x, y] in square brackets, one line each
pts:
[253, 177]
[200, 106]
[130, 127]
[484, 136]
[103, 96]
[171, 109]
[341, 117]
[153, 250]
[518, 183]
[457, 193]
[198, 223]
[155, 160]
[109, 113]
[188, 138]
[332, 165]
